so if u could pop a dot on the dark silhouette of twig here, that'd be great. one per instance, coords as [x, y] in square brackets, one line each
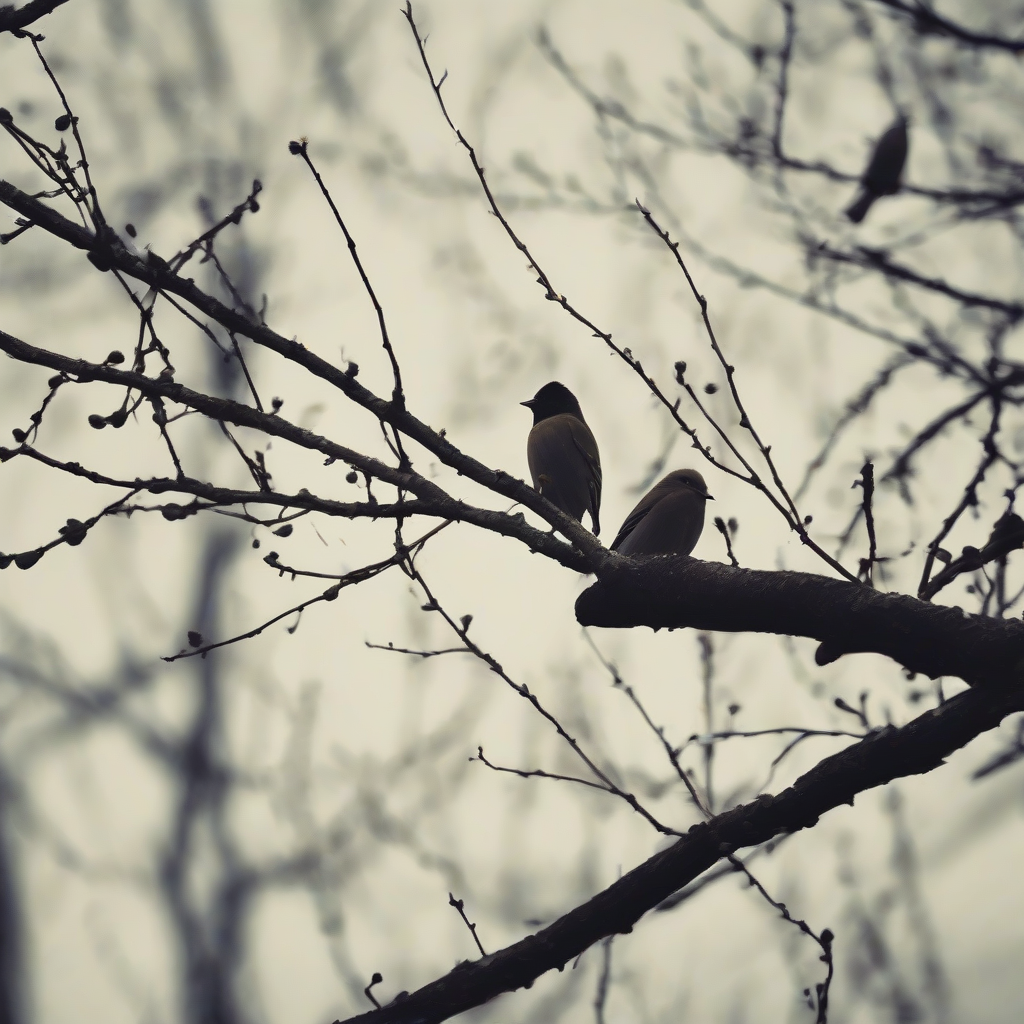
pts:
[375, 980]
[824, 939]
[723, 528]
[432, 604]
[1007, 535]
[350, 579]
[603, 980]
[925, 19]
[419, 654]
[787, 506]
[670, 752]
[792, 517]
[867, 484]
[398, 394]
[459, 905]
[707, 741]
[537, 773]
[969, 498]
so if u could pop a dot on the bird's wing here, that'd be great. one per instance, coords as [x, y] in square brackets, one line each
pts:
[544, 452]
[586, 445]
[639, 513]
[558, 471]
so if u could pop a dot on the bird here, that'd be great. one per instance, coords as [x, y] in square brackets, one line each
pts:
[884, 170]
[562, 453]
[668, 519]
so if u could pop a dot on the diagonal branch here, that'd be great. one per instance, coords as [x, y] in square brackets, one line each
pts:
[222, 409]
[888, 753]
[926, 20]
[1007, 535]
[156, 273]
[879, 260]
[398, 396]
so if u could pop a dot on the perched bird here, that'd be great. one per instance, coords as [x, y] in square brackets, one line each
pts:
[668, 519]
[882, 177]
[562, 453]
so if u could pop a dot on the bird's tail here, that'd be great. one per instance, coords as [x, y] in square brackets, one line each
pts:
[858, 209]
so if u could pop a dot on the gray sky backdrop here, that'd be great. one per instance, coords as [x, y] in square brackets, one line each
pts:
[357, 757]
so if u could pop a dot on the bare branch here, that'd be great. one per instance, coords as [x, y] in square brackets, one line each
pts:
[926, 20]
[222, 409]
[889, 753]
[154, 272]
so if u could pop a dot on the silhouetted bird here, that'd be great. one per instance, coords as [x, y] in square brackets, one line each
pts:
[668, 519]
[882, 177]
[562, 452]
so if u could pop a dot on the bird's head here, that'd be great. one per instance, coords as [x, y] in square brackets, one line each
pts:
[689, 479]
[553, 399]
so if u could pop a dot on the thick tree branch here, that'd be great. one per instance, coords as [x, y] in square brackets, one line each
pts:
[887, 754]
[12, 20]
[676, 591]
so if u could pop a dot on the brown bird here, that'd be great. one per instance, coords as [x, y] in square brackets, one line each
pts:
[668, 519]
[564, 461]
[882, 177]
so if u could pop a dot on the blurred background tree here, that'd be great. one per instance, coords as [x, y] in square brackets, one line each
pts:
[253, 834]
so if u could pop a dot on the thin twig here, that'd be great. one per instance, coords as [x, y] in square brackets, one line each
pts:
[670, 752]
[459, 905]
[604, 979]
[398, 395]
[357, 576]
[723, 528]
[419, 654]
[788, 509]
[708, 741]
[824, 940]
[538, 773]
[969, 498]
[375, 980]
[867, 482]
[432, 604]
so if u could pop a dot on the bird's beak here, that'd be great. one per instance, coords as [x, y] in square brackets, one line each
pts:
[710, 497]
[528, 403]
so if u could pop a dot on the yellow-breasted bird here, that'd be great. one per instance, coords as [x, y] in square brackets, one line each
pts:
[564, 461]
[884, 170]
[668, 519]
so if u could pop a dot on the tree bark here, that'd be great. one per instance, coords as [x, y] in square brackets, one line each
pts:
[15, 20]
[673, 591]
